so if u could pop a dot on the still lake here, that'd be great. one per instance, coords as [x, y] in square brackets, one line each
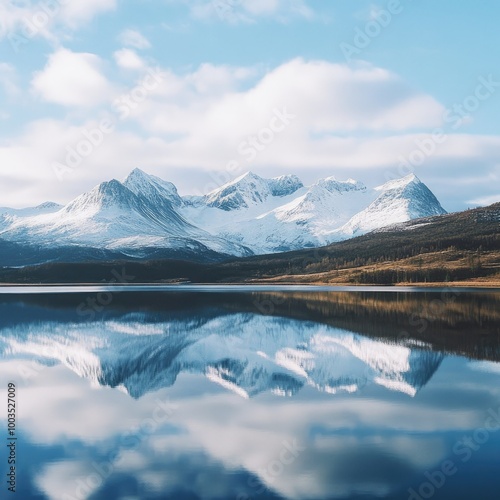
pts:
[251, 393]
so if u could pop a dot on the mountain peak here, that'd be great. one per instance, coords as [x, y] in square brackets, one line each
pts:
[247, 189]
[112, 191]
[335, 186]
[398, 201]
[247, 176]
[150, 186]
[285, 185]
[113, 185]
[400, 183]
[251, 189]
[48, 205]
[105, 195]
[137, 173]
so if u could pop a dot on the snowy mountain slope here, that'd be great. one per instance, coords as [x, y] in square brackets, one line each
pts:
[44, 208]
[153, 188]
[9, 215]
[113, 217]
[285, 185]
[248, 215]
[245, 353]
[249, 190]
[304, 221]
[244, 211]
[399, 201]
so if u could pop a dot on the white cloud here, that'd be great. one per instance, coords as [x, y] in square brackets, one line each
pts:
[249, 10]
[335, 97]
[347, 118]
[76, 12]
[134, 39]
[213, 80]
[214, 106]
[72, 79]
[60, 479]
[17, 21]
[485, 200]
[128, 59]
[30, 18]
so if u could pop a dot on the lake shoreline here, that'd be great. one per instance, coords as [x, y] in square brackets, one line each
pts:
[250, 287]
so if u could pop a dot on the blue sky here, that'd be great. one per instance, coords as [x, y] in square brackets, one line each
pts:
[372, 90]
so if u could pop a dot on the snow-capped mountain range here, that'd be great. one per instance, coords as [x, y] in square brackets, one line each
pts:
[145, 215]
[245, 353]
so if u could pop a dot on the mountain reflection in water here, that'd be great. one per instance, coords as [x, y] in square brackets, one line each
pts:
[366, 391]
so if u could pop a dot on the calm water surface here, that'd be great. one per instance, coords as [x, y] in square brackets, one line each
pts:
[288, 394]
